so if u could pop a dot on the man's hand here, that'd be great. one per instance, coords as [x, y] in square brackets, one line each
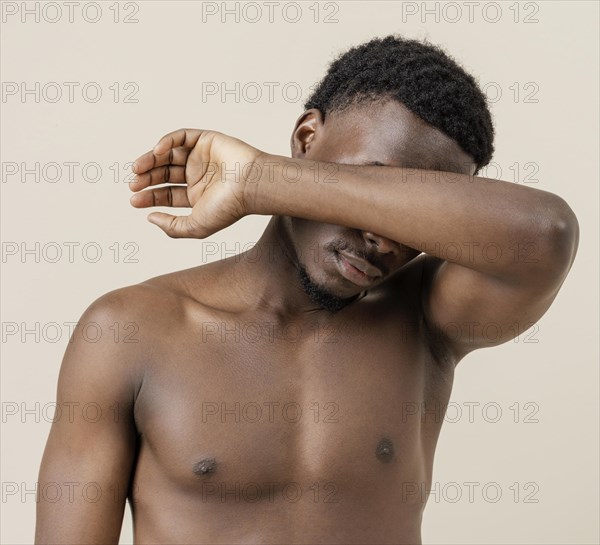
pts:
[213, 171]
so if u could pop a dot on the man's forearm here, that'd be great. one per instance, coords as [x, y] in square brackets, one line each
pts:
[484, 224]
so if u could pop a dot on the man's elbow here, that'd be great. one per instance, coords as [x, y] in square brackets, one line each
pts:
[559, 240]
[564, 233]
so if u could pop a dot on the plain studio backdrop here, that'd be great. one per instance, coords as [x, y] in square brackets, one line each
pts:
[87, 88]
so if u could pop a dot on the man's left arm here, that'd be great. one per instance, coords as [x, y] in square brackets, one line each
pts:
[497, 252]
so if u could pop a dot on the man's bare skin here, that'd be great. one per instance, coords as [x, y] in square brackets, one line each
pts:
[247, 413]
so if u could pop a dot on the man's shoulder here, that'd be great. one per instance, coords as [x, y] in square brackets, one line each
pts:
[161, 298]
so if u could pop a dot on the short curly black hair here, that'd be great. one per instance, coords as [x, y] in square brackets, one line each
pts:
[420, 75]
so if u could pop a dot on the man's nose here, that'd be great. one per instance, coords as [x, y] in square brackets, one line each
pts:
[382, 245]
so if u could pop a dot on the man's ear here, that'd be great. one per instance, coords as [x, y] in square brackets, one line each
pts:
[306, 131]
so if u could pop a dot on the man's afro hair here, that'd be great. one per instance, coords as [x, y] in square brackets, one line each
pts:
[421, 76]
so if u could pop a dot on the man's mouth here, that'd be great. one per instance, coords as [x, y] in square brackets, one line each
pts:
[357, 270]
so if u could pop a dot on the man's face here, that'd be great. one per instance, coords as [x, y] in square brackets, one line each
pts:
[336, 263]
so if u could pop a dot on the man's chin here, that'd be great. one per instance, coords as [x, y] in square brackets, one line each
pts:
[320, 295]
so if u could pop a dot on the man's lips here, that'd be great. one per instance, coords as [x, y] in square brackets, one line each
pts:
[362, 265]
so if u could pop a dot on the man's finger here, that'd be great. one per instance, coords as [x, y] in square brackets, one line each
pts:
[186, 138]
[176, 226]
[161, 175]
[163, 196]
[150, 160]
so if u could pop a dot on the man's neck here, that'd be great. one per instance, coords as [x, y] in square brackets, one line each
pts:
[267, 277]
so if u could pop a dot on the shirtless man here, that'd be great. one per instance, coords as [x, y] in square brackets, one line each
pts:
[295, 393]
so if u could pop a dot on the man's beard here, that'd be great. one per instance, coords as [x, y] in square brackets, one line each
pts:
[320, 296]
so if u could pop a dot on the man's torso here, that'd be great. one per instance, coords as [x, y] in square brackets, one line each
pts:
[256, 428]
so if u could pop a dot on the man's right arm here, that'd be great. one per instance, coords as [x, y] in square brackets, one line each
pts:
[87, 464]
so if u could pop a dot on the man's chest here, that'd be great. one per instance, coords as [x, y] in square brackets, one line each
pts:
[242, 406]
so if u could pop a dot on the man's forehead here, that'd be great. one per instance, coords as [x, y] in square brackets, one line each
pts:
[387, 132]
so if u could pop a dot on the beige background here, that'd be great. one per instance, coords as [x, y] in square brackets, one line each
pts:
[551, 452]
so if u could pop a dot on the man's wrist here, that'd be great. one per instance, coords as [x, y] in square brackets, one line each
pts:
[259, 184]
[279, 185]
